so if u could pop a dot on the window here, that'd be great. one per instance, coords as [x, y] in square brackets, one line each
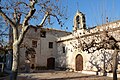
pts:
[50, 44]
[34, 43]
[35, 29]
[78, 19]
[43, 34]
[63, 49]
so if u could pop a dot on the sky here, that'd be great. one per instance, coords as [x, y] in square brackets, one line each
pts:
[95, 11]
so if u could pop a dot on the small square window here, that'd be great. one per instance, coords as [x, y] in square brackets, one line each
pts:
[50, 44]
[34, 43]
[63, 49]
[35, 29]
[43, 34]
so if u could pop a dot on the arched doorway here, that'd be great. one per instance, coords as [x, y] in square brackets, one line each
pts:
[51, 63]
[79, 62]
[30, 59]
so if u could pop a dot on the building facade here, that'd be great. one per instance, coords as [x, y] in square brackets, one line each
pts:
[97, 54]
[56, 49]
[39, 47]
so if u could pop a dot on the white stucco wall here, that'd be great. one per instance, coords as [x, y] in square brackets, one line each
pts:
[90, 61]
[43, 52]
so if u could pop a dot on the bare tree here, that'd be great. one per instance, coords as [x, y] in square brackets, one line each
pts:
[3, 33]
[18, 13]
[100, 41]
[101, 57]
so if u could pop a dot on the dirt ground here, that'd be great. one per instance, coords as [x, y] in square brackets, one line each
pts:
[60, 75]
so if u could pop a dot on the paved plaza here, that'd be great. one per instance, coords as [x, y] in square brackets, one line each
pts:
[60, 75]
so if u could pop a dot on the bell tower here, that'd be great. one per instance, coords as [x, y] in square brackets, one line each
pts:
[79, 21]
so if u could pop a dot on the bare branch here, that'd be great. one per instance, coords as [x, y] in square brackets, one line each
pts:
[46, 16]
[56, 18]
[43, 20]
[30, 13]
[18, 18]
[22, 3]
[25, 22]
[7, 18]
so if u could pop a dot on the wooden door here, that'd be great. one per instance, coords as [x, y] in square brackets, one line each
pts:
[51, 63]
[79, 63]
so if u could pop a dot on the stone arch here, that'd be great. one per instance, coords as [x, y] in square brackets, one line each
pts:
[79, 62]
[51, 63]
[30, 58]
[79, 21]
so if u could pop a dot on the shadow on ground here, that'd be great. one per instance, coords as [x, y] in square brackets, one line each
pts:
[91, 77]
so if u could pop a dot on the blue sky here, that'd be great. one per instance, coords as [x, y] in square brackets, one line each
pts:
[95, 11]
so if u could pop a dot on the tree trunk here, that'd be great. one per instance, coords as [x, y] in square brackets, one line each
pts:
[115, 63]
[104, 69]
[15, 61]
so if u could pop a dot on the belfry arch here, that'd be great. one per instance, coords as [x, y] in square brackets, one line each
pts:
[79, 21]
